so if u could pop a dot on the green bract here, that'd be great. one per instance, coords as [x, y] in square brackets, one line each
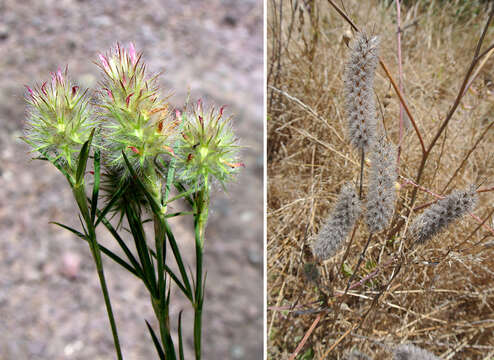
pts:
[207, 149]
[58, 121]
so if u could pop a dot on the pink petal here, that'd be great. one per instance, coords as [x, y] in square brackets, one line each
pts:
[104, 62]
[127, 99]
[110, 94]
[134, 149]
[30, 90]
[132, 53]
[43, 88]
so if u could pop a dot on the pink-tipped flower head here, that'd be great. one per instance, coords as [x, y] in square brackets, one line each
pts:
[208, 148]
[137, 120]
[58, 122]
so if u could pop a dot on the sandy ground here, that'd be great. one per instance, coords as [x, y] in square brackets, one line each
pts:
[213, 49]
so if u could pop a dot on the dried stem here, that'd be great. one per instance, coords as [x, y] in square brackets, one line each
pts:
[400, 73]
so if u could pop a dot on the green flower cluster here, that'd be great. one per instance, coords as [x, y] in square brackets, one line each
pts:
[59, 120]
[208, 148]
[132, 119]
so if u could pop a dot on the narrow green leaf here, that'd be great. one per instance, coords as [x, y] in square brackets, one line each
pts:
[56, 164]
[156, 342]
[102, 214]
[174, 277]
[154, 205]
[97, 174]
[78, 233]
[103, 249]
[178, 282]
[182, 213]
[178, 257]
[181, 195]
[142, 248]
[180, 339]
[82, 160]
[122, 244]
[180, 187]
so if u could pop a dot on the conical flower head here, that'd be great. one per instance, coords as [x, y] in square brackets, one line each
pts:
[338, 225]
[208, 149]
[137, 120]
[359, 96]
[436, 218]
[58, 122]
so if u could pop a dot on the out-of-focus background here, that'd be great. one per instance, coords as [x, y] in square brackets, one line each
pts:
[51, 306]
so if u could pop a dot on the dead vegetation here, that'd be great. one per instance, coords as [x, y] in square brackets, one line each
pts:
[438, 296]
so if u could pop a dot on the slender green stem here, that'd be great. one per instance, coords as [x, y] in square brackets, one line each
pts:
[202, 207]
[80, 196]
[159, 239]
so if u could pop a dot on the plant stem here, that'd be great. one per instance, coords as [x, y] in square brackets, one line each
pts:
[362, 154]
[80, 197]
[159, 229]
[202, 207]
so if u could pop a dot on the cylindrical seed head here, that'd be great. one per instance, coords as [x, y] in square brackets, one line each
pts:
[359, 97]
[338, 225]
[436, 218]
[382, 192]
[412, 352]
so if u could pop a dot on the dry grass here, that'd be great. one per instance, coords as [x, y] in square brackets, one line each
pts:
[443, 298]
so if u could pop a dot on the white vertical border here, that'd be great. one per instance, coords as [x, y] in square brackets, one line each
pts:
[265, 181]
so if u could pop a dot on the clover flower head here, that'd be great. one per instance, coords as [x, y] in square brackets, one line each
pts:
[359, 96]
[135, 117]
[338, 225]
[436, 218]
[59, 120]
[208, 148]
[382, 191]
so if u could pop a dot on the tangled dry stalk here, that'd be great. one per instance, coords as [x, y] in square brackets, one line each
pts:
[438, 295]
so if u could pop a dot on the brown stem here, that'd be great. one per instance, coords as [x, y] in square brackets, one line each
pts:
[466, 158]
[400, 73]
[464, 84]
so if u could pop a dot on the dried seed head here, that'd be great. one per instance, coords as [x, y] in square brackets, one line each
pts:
[382, 192]
[356, 355]
[412, 352]
[359, 81]
[433, 220]
[338, 225]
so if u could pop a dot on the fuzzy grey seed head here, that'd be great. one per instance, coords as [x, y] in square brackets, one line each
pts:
[381, 194]
[359, 96]
[339, 224]
[436, 218]
[356, 355]
[412, 352]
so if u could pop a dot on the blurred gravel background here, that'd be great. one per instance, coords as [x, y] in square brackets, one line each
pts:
[51, 306]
